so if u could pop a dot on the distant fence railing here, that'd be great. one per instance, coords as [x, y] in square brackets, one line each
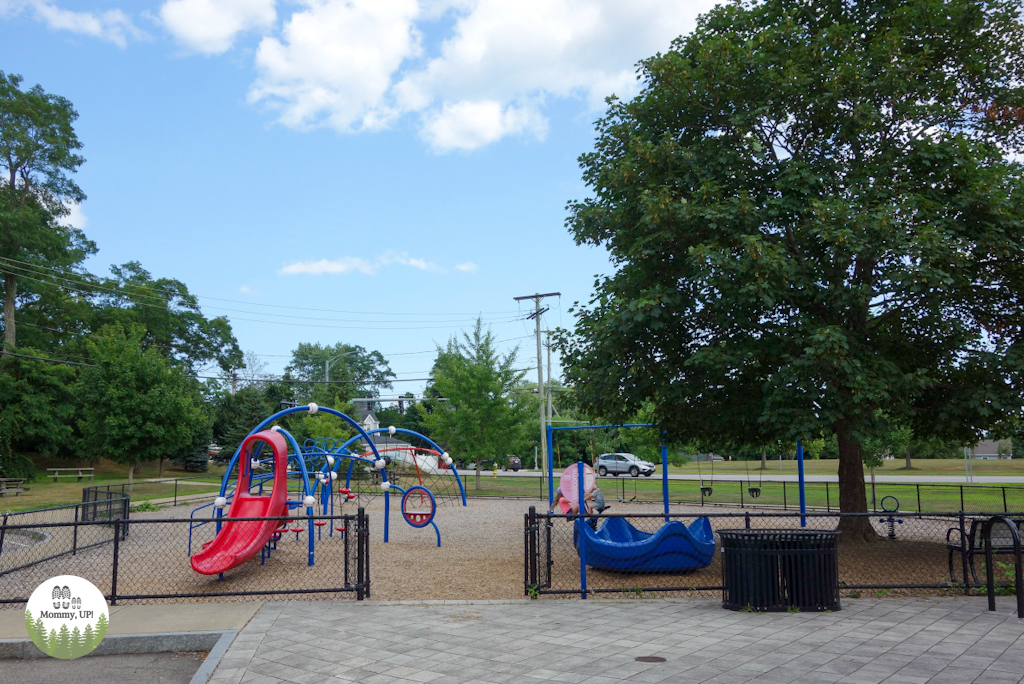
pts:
[28, 538]
[773, 494]
[152, 562]
[177, 489]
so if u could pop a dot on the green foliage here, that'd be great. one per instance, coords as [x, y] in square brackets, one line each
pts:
[135, 406]
[768, 285]
[677, 459]
[144, 507]
[37, 405]
[38, 155]
[364, 373]
[194, 462]
[480, 419]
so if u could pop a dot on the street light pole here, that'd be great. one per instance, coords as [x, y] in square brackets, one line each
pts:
[328, 362]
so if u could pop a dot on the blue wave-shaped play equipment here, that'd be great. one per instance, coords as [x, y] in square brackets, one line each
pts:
[618, 546]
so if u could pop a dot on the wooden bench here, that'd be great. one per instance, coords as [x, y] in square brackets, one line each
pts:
[11, 485]
[1002, 544]
[70, 472]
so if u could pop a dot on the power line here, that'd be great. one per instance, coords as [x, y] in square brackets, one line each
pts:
[38, 267]
[89, 287]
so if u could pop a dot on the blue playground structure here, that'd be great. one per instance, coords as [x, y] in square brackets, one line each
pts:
[312, 475]
[618, 546]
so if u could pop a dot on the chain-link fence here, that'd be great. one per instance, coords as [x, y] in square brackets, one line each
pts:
[909, 551]
[29, 538]
[149, 559]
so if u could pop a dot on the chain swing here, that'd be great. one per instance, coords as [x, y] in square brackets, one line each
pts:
[753, 491]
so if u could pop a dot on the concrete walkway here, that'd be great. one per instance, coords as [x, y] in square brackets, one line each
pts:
[908, 641]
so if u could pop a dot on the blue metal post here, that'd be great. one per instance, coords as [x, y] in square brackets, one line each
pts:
[387, 507]
[551, 471]
[803, 494]
[664, 475]
[579, 523]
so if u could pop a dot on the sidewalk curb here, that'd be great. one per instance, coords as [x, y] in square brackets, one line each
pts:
[216, 642]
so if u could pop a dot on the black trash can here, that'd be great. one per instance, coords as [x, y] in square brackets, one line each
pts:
[776, 570]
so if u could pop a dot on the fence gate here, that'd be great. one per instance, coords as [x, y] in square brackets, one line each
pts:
[537, 541]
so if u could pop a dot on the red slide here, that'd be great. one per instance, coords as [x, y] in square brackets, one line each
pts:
[237, 542]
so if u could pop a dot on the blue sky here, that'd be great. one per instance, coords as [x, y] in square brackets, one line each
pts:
[406, 161]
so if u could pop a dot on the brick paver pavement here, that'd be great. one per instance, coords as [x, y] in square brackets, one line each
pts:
[898, 641]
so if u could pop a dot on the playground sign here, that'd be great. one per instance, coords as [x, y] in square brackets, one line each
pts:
[66, 617]
[569, 482]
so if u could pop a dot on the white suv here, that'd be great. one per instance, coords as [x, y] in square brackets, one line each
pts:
[614, 464]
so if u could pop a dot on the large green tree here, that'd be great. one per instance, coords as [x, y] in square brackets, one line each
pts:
[813, 214]
[480, 418]
[355, 370]
[135, 405]
[38, 156]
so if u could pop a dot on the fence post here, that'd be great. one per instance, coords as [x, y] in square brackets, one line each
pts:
[741, 495]
[360, 545]
[785, 506]
[918, 487]
[1005, 509]
[3, 532]
[531, 532]
[963, 552]
[74, 534]
[828, 503]
[117, 553]
[175, 492]
[746, 517]
[366, 554]
[961, 497]
[580, 522]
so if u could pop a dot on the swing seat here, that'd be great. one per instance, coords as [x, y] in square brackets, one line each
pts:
[754, 492]
[706, 491]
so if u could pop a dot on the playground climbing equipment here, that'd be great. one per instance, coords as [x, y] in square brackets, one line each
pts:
[287, 479]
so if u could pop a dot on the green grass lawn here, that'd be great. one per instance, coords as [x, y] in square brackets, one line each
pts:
[830, 467]
[44, 492]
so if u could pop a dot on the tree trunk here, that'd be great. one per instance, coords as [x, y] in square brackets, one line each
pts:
[852, 492]
[478, 475]
[10, 288]
[907, 454]
[131, 473]
[764, 459]
[160, 471]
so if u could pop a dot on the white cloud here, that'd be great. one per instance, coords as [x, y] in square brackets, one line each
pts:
[75, 218]
[113, 25]
[356, 65]
[467, 266]
[360, 265]
[342, 265]
[210, 26]
[469, 125]
[334, 60]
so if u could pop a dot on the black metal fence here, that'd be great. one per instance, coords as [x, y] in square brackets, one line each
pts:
[913, 551]
[152, 563]
[29, 538]
[170, 490]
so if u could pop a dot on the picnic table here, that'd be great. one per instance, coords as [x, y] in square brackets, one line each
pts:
[10, 485]
[70, 472]
[973, 546]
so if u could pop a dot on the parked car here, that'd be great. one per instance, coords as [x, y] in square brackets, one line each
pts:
[621, 463]
[514, 464]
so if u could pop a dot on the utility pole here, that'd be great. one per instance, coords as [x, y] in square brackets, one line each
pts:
[537, 311]
[551, 407]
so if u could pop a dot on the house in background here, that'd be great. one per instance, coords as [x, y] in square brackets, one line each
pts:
[991, 450]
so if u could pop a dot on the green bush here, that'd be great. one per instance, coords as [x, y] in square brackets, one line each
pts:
[196, 462]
